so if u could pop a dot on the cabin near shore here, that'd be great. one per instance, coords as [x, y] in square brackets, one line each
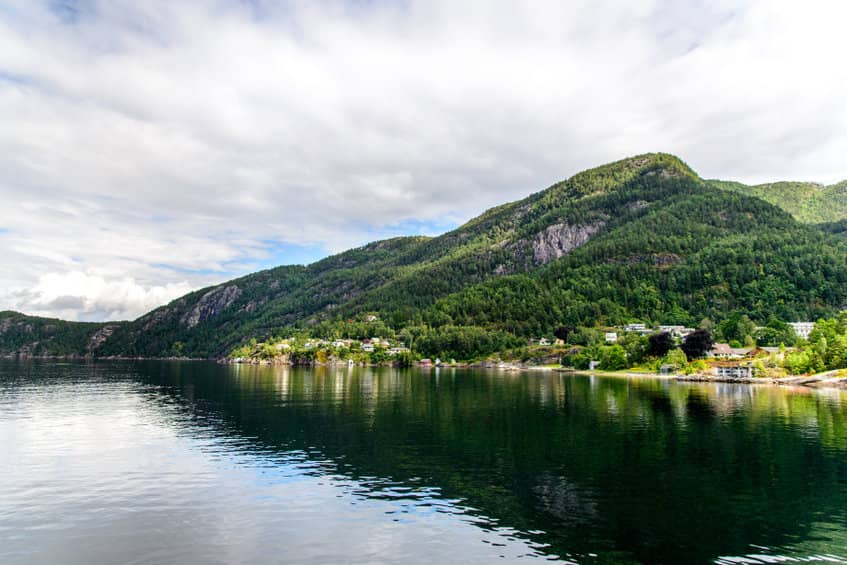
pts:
[730, 370]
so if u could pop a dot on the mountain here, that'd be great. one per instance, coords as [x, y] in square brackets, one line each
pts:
[644, 238]
[808, 202]
[32, 335]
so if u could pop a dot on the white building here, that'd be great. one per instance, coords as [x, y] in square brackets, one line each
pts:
[676, 331]
[734, 371]
[802, 329]
[637, 328]
[611, 337]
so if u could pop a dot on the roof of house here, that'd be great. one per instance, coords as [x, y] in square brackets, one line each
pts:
[725, 349]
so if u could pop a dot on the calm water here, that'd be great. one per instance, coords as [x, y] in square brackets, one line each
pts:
[199, 463]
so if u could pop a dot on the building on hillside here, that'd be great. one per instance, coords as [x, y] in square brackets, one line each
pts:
[638, 328]
[367, 347]
[372, 318]
[733, 370]
[773, 352]
[724, 351]
[398, 350]
[543, 341]
[676, 331]
[611, 337]
[802, 329]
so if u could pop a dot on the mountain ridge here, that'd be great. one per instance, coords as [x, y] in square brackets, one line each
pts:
[676, 247]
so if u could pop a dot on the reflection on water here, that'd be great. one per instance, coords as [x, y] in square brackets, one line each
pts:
[194, 462]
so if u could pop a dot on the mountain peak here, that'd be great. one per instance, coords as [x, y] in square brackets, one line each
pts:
[624, 170]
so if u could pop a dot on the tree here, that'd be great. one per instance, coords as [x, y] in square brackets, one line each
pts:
[659, 344]
[676, 357]
[635, 346]
[612, 358]
[562, 332]
[697, 344]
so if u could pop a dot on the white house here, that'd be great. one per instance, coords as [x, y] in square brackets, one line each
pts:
[724, 351]
[676, 331]
[734, 370]
[611, 337]
[802, 329]
[367, 347]
[637, 328]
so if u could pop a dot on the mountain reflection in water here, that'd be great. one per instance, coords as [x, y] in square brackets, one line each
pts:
[199, 462]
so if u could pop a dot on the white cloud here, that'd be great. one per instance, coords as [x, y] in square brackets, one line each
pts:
[75, 295]
[168, 143]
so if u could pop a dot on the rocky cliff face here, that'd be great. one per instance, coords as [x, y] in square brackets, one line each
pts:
[560, 239]
[99, 337]
[211, 305]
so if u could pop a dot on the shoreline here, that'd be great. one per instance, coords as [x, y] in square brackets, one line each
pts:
[828, 380]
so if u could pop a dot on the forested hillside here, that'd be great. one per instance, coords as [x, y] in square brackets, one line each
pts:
[31, 335]
[640, 239]
[808, 202]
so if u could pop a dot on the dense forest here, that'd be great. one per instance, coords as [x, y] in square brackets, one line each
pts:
[642, 239]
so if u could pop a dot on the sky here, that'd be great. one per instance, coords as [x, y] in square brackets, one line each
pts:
[151, 148]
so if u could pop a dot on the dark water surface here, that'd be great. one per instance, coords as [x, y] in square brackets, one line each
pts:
[200, 463]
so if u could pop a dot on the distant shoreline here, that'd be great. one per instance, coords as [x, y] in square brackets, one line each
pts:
[827, 380]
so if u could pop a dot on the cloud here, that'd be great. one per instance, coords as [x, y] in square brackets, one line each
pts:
[175, 145]
[75, 295]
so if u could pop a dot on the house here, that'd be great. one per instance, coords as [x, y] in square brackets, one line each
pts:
[676, 331]
[802, 329]
[774, 352]
[371, 318]
[339, 344]
[367, 347]
[398, 350]
[425, 362]
[637, 328]
[734, 370]
[592, 365]
[543, 341]
[611, 337]
[724, 351]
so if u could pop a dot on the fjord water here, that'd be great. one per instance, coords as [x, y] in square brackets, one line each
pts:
[156, 462]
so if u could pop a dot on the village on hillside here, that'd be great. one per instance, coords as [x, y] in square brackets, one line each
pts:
[661, 349]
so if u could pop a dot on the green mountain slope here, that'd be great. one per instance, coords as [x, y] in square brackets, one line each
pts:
[642, 238]
[32, 335]
[808, 202]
